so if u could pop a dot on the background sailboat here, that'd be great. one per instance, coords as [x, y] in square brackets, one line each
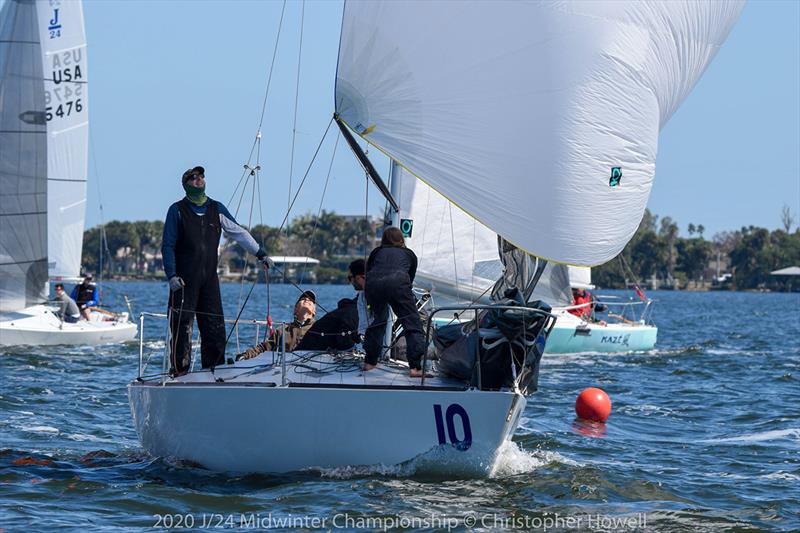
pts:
[459, 262]
[44, 94]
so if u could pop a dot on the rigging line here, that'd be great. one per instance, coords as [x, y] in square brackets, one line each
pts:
[474, 230]
[103, 240]
[305, 176]
[248, 172]
[453, 240]
[257, 140]
[244, 268]
[244, 173]
[296, 98]
[263, 245]
[427, 215]
[271, 66]
[257, 193]
[229, 242]
[319, 210]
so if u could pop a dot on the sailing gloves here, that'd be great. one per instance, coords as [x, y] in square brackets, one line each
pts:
[263, 258]
[176, 283]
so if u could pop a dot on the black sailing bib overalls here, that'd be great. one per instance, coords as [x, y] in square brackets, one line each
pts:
[196, 264]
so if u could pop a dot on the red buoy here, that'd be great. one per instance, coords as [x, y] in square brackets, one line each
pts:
[593, 404]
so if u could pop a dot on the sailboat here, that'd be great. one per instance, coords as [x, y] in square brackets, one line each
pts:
[510, 111]
[44, 96]
[458, 261]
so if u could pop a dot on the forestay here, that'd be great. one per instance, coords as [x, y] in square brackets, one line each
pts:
[23, 160]
[66, 96]
[540, 119]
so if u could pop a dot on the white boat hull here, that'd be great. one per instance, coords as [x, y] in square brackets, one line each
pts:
[39, 326]
[264, 427]
[572, 335]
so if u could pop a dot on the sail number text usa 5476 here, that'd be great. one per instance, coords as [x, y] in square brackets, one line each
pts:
[63, 95]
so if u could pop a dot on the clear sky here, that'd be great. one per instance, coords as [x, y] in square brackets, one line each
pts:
[179, 83]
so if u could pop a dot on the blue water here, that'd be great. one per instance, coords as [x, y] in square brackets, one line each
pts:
[705, 435]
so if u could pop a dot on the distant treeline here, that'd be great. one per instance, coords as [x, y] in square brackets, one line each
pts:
[735, 260]
[655, 256]
[133, 249]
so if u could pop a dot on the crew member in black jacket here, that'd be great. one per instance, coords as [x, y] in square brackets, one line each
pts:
[390, 272]
[189, 248]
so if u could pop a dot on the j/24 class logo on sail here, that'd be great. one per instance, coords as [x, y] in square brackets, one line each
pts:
[54, 27]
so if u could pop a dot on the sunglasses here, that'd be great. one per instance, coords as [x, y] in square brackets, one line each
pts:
[196, 177]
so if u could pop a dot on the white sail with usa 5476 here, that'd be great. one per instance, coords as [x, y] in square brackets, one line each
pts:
[43, 164]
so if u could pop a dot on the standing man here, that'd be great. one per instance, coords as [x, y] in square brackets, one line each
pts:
[85, 295]
[189, 248]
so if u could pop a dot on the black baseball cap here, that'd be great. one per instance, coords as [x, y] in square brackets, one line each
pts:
[191, 172]
[308, 294]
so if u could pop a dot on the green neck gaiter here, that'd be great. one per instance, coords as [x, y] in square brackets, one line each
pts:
[196, 195]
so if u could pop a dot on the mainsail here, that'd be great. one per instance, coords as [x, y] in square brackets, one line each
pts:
[66, 93]
[539, 119]
[23, 160]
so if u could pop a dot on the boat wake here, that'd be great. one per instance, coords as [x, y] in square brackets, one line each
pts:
[512, 460]
[791, 433]
[449, 463]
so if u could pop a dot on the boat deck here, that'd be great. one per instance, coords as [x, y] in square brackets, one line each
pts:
[310, 369]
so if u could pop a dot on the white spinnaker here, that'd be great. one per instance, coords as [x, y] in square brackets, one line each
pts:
[518, 112]
[63, 41]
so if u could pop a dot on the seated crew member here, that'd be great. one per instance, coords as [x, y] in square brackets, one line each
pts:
[69, 311]
[85, 295]
[304, 311]
[342, 328]
[581, 296]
